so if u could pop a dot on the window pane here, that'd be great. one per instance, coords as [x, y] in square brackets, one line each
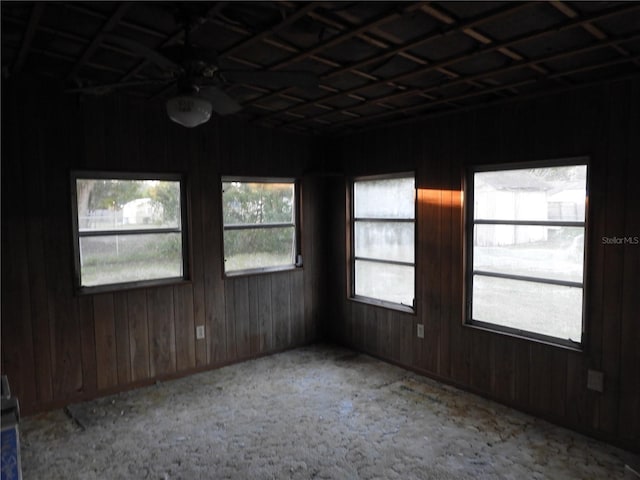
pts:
[535, 251]
[553, 193]
[393, 283]
[128, 258]
[257, 203]
[385, 240]
[388, 198]
[552, 310]
[109, 204]
[259, 248]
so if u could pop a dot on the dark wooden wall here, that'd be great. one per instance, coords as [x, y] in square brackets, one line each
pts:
[59, 347]
[601, 122]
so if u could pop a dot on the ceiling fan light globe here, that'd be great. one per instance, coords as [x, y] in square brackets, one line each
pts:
[189, 110]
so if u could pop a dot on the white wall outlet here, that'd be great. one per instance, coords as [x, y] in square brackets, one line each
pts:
[595, 380]
[420, 331]
[199, 332]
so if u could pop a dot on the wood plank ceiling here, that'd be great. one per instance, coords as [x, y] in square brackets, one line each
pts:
[378, 62]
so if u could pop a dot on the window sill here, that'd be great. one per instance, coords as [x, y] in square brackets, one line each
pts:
[383, 304]
[565, 345]
[260, 271]
[119, 287]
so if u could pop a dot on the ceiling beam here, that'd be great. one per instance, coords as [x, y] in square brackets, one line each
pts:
[344, 129]
[417, 43]
[337, 40]
[30, 31]
[589, 27]
[173, 38]
[288, 20]
[477, 36]
[412, 108]
[484, 75]
[108, 25]
[467, 55]
[124, 23]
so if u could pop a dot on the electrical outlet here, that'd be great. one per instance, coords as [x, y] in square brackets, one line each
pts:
[199, 332]
[595, 380]
[420, 331]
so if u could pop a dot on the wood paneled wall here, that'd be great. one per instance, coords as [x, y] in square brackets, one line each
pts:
[601, 122]
[59, 347]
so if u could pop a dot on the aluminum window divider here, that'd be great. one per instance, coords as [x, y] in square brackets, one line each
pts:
[138, 231]
[388, 262]
[524, 278]
[530, 223]
[256, 226]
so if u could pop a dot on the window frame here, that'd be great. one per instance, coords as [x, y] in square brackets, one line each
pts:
[351, 276]
[183, 230]
[469, 224]
[297, 247]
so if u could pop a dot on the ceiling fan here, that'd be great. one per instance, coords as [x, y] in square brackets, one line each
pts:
[198, 76]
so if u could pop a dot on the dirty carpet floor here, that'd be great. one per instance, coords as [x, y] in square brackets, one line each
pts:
[313, 413]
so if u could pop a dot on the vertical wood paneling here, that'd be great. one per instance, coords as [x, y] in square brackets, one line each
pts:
[19, 366]
[58, 345]
[123, 349]
[629, 393]
[541, 361]
[264, 313]
[64, 328]
[184, 327]
[430, 294]
[69, 340]
[194, 202]
[310, 198]
[240, 304]
[254, 315]
[503, 370]
[617, 154]
[230, 319]
[296, 300]
[280, 309]
[456, 153]
[105, 340]
[139, 334]
[162, 336]
[34, 197]
[482, 363]
[87, 336]
[214, 155]
[599, 122]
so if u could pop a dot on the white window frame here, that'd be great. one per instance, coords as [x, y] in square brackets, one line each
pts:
[469, 250]
[352, 247]
[77, 234]
[296, 260]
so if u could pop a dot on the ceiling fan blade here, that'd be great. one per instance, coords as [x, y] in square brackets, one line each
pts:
[108, 87]
[272, 79]
[221, 103]
[143, 51]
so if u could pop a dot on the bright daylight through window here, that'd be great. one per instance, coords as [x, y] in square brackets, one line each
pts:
[128, 230]
[527, 251]
[383, 229]
[259, 223]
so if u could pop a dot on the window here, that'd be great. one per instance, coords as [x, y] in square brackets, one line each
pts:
[128, 230]
[259, 224]
[525, 245]
[383, 239]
